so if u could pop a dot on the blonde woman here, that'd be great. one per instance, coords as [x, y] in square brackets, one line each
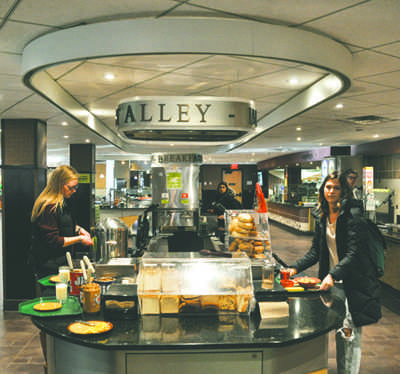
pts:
[54, 230]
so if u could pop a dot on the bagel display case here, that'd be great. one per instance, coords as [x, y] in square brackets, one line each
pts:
[247, 231]
[189, 283]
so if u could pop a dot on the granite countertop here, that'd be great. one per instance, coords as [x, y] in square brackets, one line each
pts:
[308, 317]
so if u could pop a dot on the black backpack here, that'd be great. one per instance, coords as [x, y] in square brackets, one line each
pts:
[376, 244]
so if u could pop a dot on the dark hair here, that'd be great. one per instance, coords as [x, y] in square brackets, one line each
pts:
[345, 192]
[223, 183]
[347, 172]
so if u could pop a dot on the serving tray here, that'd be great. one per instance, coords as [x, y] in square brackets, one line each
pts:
[46, 281]
[70, 307]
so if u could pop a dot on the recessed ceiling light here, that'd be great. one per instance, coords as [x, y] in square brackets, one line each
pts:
[339, 106]
[109, 76]
[64, 123]
[376, 136]
[293, 81]
[298, 139]
[66, 136]
[298, 128]
[87, 140]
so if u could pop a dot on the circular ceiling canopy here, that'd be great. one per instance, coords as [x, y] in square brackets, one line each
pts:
[196, 41]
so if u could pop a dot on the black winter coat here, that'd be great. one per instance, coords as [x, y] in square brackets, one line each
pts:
[225, 201]
[355, 269]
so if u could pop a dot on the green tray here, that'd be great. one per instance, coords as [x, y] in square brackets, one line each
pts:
[70, 307]
[46, 281]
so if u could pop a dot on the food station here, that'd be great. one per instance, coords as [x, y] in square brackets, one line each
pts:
[186, 302]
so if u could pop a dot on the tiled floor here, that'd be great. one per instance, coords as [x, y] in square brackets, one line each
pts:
[20, 350]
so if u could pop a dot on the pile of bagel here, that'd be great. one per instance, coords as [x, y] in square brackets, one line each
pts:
[246, 238]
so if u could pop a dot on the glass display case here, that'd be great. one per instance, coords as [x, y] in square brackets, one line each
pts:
[247, 231]
[189, 283]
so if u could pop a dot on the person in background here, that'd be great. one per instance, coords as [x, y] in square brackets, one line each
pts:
[224, 200]
[338, 245]
[54, 230]
[352, 177]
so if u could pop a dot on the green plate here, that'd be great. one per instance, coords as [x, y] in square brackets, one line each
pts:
[70, 307]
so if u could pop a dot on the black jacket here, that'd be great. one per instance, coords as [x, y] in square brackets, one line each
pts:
[225, 201]
[355, 269]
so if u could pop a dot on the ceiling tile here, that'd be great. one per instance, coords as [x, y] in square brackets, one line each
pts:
[14, 36]
[390, 49]
[288, 11]
[187, 84]
[282, 79]
[230, 68]
[77, 11]
[5, 6]
[358, 25]
[159, 63]
[387, 80]
[368, 63]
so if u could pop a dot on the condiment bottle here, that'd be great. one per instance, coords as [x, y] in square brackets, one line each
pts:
[90, 297]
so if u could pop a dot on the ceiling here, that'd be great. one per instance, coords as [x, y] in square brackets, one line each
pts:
[368, 30]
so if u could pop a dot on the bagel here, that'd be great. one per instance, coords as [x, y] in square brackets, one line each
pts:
[245, 225]
[244, 217]
[258, 249]
[242, 231]
[237, 234]
[233, 246]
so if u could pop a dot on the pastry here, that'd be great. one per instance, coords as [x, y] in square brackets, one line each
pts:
[189, 304]
[150, 304]
[209, 303]
[169, 304]
[227, 303]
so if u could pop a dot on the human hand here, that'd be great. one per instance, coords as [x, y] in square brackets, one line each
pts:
[292, 271]
[327, 283]
[86, 239]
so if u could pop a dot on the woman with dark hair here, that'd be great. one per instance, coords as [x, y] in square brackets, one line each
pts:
[53, 227]
[337, 246]
[224, 200]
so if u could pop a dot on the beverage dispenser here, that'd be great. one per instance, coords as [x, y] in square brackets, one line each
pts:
[176, 192]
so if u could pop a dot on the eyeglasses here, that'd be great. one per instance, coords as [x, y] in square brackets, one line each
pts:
[72, 188]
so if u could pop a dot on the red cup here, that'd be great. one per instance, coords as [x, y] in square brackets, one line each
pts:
[76, 281]
[285, 275]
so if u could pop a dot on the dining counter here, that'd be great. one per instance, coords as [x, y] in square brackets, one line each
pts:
[296, 341]
[297, 217]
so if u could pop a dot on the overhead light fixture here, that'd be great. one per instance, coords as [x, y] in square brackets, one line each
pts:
[109, 76]
[339, 106]
[368, 120]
